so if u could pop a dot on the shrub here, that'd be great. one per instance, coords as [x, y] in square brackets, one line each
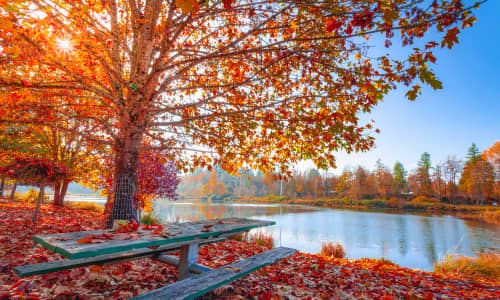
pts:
[377, 263]
[32, 196]
[484, 267]
[420, 199]
[88, 206]
[272, 197]
[262, 239]
[395, 201]
[150, 219]
[329, 249]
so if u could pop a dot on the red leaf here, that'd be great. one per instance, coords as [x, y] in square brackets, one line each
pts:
[228, 4]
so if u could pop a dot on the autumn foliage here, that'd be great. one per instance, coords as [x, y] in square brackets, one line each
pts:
[232, 83]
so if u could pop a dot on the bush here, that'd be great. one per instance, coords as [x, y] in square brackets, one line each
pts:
[260, 238]
[272, 197]
[420, 199]
[32, 196]
[150, 219]
[395, 201]
[377, 263]
[331, 250]
[88, 206]
[484, 267]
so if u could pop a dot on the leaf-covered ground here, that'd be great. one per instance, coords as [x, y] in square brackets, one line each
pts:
[300, 276]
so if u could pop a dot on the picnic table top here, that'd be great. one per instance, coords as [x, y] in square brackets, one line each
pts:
[92, 243]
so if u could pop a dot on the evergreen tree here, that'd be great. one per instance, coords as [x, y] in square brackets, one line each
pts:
[425, 161]
[399, 173]
[473, 154]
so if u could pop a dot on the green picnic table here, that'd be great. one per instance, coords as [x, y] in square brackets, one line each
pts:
[86, 248]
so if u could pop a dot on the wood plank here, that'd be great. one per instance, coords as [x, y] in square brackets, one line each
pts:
[65, 264]
[188, 257]
[198, 285]
[70, 248]
[174, 261]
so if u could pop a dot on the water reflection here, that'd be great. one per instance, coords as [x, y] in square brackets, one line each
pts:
[410, 240]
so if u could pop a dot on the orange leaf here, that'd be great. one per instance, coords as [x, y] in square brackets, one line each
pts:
[84, 241]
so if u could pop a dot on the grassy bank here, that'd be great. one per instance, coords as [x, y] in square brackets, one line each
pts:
[485, 266]
[486, 213]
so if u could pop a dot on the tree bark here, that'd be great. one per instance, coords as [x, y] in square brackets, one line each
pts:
[2, 185]
[57, 187]
[125, 177]
[40, 199]
[60, 192]
[13, 192]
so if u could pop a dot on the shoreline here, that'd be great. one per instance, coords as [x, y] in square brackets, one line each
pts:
[485, 214]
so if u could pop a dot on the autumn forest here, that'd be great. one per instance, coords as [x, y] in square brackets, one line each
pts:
[472, 180]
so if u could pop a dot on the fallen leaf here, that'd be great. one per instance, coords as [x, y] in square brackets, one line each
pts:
[84, 241]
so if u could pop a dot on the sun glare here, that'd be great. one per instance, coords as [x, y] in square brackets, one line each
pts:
[64, 45]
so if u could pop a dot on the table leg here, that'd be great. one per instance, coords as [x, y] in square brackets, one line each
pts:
[188, 257]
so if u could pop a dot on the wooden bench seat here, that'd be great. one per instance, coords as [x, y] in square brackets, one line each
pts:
[200, 284]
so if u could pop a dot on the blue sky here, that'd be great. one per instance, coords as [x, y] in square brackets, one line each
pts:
[447, 121]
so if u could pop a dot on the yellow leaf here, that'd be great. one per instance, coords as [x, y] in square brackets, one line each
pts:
[187, 6]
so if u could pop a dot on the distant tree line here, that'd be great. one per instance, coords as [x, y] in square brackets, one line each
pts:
[474, 180]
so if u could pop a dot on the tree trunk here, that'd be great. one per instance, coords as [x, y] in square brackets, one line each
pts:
[125, 180]
[2, 185]
[40, 199]
[13, 192]
[60, 192]
[57, 187]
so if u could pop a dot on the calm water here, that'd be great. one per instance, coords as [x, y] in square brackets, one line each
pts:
[412, 241]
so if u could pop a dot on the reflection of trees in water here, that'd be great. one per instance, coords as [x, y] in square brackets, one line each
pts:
[214, 211]
[402, 228]
[364, 232]
[429, 240]
[481, 237]
[386, 233]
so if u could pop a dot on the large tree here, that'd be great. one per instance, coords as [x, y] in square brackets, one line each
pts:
[260, 84]
[478, 180]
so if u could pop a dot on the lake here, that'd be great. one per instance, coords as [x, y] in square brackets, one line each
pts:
[413, 241]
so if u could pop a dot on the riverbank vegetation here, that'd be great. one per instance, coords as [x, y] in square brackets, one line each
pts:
[485, 266]
[299, 276]
[332, 250]
[259, 238]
